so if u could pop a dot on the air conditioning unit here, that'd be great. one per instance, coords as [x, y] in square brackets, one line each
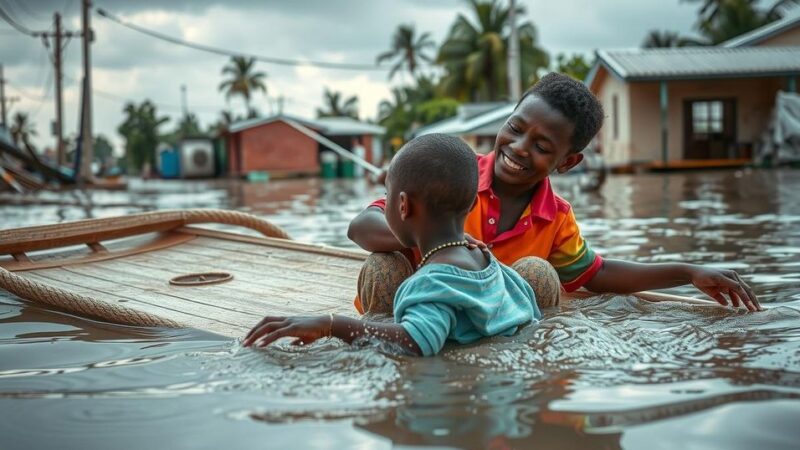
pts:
[197, 158]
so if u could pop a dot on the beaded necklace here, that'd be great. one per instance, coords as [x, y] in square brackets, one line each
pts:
[424, 259]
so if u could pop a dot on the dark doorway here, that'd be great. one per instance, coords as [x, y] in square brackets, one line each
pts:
[709, 129]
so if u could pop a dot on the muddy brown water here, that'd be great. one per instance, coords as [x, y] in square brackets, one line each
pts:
[611, 372]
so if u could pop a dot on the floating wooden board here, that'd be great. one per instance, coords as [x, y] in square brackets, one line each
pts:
[122, 267]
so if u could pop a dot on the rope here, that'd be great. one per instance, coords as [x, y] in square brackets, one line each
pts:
[79, 304]
[194, 216]
[90, 307]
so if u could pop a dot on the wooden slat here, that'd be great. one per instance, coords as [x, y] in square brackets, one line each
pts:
[83, 231]
[189, 262]
[112, 294]
[359, 255]
[161, 241]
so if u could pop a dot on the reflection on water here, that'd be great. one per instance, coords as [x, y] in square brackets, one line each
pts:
[609, 372]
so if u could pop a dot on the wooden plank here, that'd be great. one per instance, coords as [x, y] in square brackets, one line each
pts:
[187, 262]
[297, 258]
[157, 242]
[97, 230]
[356, 254]
[111, 294]
[298, 269]
[239, 296]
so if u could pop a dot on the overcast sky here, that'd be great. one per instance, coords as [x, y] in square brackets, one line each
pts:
[130, 65]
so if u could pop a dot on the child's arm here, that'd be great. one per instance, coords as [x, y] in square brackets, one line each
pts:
[623, 277]
[310, 328]
[370, 231]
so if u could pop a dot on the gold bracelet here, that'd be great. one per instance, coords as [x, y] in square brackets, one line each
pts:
[330, 328]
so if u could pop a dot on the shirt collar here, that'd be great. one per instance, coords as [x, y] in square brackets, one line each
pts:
[543, 204]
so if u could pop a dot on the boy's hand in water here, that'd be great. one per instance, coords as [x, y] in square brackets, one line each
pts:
[718, 283]
[306, 328]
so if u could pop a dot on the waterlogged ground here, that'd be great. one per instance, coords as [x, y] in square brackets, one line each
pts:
[610, 372]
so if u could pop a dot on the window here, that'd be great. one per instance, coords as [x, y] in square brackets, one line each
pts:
[707, 117]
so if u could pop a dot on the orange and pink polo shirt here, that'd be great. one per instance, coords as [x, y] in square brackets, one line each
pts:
[546, 229]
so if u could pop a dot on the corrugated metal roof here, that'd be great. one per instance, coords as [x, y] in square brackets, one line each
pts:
[692, 63]
[460, 125]
[342, 126]
[787, 22]
[330, 126]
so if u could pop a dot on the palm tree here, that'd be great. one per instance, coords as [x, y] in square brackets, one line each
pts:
[407, 50]
[242, 80]
[140, 130]
[336, 106]
[474, 53]
[575, 66]
[720, 20]
[22, 129]
[663, 39]
[188, 126]
[710, 9]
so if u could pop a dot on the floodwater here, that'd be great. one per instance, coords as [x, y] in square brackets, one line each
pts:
[609, 372]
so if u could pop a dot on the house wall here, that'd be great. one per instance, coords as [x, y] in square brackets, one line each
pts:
[616, 150]
[755, 98]
[278, 147]
[789, 38]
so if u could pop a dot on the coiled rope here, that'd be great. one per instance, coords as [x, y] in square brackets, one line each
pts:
[90, 307]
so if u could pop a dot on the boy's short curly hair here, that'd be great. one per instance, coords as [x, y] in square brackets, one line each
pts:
[438, 169]
[574, 100]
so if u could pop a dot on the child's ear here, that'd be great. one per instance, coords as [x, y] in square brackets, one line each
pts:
[570, 161]
[405, 206]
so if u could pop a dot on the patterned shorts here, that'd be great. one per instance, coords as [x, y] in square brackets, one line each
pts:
[382, 274]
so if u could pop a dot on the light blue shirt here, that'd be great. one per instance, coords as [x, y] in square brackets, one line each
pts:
[441, 302]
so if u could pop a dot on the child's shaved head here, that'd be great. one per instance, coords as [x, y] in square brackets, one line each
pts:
[439, 170]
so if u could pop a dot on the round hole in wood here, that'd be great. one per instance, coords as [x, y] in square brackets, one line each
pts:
[200, 279]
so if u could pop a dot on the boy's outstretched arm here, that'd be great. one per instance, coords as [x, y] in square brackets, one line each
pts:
[308, 329]
[370, 231]
[624, 277]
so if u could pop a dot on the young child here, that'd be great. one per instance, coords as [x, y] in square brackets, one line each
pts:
[459, 292]
[525, 224]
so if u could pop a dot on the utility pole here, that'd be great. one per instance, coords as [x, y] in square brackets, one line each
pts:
[87, 137]
[184, 102]
[61, 157]
[514, 84]
[3, 98]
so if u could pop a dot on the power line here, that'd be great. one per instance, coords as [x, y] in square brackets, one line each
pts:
[225, 52]
[22, 29]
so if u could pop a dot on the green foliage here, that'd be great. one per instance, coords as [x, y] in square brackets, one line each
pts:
[335, 105]
[721, 20]
[474, 54]
[242, 80]
[140, 130]
[436, 110]
[407, 50]
[102, 148]
[575, 66]
[188, 126]
[664, 39]
[411, 107]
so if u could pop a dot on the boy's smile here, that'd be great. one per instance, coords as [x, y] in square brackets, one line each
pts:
[534, 141]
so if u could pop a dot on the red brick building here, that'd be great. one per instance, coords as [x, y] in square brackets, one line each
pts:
[274, 145]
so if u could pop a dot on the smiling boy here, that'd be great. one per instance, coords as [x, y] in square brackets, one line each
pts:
[525, 224]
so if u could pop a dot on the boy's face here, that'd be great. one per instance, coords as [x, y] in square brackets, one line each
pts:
[533, 142]
[397, 210]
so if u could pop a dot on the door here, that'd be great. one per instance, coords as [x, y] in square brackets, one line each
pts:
[710, 129]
